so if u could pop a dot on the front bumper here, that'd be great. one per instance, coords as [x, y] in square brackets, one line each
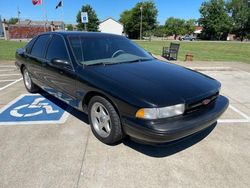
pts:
[175, 128]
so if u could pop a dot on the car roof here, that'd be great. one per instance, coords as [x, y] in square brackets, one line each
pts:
[82, 33]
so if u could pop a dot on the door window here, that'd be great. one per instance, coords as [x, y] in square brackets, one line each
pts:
[40, 46]
[57, 49]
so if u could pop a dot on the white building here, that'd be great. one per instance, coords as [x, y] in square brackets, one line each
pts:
[110, 25]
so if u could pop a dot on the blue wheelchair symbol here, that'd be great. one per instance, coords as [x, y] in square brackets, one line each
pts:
[32, 109]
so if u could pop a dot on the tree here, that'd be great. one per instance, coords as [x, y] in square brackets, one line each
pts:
[93, 23]
[13, 21]
[190, 26]
[215, 20]
[175, 26]
[240, 13]
[131, 19]
[160, 31]
[69, 27]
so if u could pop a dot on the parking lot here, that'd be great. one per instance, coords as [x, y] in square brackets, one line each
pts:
[61, 151]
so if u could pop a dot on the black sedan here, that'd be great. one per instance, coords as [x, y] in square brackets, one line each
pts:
[124, 90]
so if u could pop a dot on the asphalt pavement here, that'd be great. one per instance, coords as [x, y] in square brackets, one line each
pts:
[58, 149]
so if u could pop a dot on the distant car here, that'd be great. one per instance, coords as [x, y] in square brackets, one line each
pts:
[124, 90]
[188, 37]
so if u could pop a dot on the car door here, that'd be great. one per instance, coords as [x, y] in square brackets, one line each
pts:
[35, 57]
[58, 71]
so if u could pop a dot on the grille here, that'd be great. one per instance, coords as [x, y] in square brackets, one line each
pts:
[201, 103]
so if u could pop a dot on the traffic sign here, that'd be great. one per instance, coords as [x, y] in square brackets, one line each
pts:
[84, 17]
[32, 109]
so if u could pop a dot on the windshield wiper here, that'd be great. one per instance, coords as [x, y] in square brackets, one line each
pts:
[137, 60]
[99, 63]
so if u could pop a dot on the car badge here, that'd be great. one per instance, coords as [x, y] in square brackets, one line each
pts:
[206, 101]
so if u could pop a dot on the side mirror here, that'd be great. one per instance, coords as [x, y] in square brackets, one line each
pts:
[21, 52]
[59, 63]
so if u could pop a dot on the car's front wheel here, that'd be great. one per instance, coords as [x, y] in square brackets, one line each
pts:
[104, 120]
[30, 86]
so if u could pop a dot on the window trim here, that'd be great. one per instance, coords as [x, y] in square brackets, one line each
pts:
[76, 60]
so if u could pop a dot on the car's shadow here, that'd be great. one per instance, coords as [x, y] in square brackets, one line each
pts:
[74, 112]
[161, 150]
[170, 148]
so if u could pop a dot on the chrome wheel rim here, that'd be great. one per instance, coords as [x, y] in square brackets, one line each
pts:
[27, 79]
[101, 120]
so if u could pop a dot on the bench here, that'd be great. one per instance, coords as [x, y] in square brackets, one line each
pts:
[171, 52]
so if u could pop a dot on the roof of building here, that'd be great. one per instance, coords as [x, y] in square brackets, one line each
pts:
[110, 18]
[30, 22]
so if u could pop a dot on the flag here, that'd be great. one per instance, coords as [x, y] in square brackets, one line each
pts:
[60, 4]
[36, 2]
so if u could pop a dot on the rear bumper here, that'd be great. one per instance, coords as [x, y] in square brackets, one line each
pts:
[175, 128]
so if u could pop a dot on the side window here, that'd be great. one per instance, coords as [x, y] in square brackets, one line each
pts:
[57, 49]
[40, 46]
[28, 47]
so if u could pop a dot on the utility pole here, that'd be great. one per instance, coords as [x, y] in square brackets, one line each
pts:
[18, 14]
[141, 23]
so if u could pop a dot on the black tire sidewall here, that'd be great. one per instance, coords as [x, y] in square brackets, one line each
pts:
[116, 133]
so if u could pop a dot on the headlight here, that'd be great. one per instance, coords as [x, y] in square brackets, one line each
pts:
[158, 113]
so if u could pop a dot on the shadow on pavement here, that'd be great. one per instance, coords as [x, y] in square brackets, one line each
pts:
[164, 150]
[160, 150]
[76, 113]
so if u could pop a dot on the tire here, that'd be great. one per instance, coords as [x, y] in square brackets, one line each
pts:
[104, 121]
[29, 85]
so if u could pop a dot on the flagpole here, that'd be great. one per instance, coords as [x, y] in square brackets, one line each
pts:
[18, 14]
[63, 25]
[45, 13]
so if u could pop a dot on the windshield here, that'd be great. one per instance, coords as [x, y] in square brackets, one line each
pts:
[106, 49]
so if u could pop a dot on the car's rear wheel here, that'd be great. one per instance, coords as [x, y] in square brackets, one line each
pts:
[104, 120]
[29, 85]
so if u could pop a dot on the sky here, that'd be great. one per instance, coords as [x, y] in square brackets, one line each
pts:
[104, 9]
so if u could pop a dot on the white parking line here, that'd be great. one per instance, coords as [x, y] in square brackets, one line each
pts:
[9, 74]
[245, 120]
[6, 70]
[8, 85]
[10, 66]
[7, 80]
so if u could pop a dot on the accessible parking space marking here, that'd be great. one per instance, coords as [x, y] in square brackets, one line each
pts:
[9, 75]
[10, 84]
[31, 109]
[245, 119]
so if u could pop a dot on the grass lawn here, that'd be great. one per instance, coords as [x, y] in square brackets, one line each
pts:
[204, 51]
[8, 49]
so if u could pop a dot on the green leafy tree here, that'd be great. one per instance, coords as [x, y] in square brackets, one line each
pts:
[240, 12]
[175, 26]
[93, 24]
[131, 19]
[160, 31]
[69, 27]
[13, 21]
[190, 26]
[215, 20]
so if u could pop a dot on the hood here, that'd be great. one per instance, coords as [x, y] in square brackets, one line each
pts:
[159, 83]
